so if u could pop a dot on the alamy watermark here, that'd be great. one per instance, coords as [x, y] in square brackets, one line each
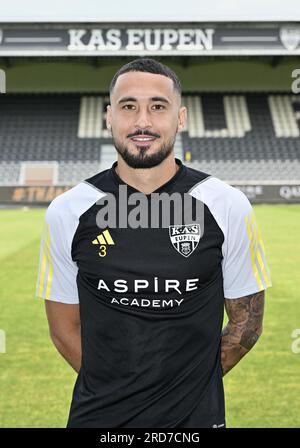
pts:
[156, 210]
[296, 84]
[296, 343]
[2, 81]
[2, 341]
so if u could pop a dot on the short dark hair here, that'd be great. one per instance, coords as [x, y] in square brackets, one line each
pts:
[147, 65]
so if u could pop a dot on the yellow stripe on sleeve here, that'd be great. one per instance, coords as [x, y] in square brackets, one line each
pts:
[43, 265]
[259, 249]
[254, 267]
[50, 272]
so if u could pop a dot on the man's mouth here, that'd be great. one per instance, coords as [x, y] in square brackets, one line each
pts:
[143, 140]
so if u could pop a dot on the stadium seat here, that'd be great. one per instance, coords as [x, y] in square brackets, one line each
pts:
[236, 137]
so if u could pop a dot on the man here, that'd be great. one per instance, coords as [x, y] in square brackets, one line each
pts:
[138, 311]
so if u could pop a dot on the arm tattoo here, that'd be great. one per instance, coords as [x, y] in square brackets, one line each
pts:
[243, 329]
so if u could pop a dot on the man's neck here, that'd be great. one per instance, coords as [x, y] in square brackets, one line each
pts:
[147, 180]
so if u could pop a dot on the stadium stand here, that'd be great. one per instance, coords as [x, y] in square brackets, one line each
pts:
[236, 137]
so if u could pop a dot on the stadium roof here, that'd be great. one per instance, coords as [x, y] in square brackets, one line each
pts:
[13, 11]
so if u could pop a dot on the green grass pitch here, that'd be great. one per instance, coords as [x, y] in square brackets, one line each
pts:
[36, 383]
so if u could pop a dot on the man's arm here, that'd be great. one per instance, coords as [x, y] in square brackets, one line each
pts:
[64, 329]
[244, 327]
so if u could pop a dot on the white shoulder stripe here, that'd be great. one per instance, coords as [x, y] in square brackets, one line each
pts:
[245, 270]
[57, 270]
[196, 185]
[93, 186]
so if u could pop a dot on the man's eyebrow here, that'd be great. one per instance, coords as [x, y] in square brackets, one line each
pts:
[160, 98]
[154, 98]
[126, 98]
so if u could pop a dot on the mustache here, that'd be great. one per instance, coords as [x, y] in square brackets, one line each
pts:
[145, 132]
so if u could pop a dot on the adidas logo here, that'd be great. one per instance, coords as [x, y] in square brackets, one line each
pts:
[103, 239]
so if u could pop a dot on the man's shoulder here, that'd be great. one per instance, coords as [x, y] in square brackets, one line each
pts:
[74, 202]
[214, 191]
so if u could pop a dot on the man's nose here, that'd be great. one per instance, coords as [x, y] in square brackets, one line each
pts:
[143, 119]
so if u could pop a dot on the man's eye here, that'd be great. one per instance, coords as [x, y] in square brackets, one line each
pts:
[128, 107]
[159, 106]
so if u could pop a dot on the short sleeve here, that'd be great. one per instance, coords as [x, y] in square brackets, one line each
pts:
[245, 269]
[56, 279]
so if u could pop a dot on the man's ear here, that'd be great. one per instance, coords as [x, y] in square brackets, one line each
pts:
[108, 116]
[182, 117]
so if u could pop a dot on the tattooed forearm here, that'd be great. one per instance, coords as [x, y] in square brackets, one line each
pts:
[243, 329]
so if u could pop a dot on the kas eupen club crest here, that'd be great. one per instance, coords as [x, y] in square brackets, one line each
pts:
[290, 37]
[185, 238]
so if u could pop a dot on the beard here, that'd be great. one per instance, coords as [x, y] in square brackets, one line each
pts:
[142, 159]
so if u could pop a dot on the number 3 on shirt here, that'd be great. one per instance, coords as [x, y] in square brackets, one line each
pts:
[102, 251]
